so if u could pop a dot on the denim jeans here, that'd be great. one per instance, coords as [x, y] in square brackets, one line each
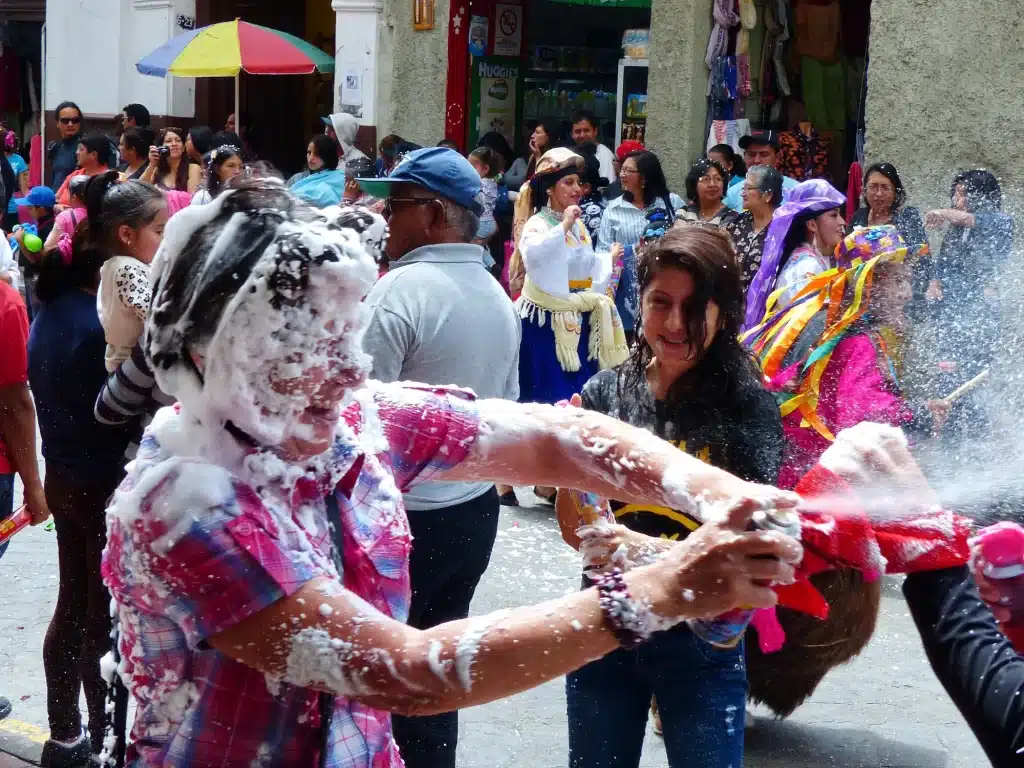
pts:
[6, 503]
[701, 692]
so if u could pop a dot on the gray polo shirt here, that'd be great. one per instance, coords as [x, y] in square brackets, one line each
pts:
[438, 317]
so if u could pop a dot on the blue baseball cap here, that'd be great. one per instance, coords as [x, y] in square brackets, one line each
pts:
[44, 197]
[439, 169]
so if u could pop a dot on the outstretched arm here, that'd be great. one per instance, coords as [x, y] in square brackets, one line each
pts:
[326, 638]
[972, 659]
[529, 444]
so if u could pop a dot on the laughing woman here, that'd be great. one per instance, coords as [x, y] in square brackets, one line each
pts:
[691, 383]
[258, 550]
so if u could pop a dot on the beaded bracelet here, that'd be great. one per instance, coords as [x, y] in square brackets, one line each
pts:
[628, 619]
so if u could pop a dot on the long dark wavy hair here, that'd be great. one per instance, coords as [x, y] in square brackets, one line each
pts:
[725, 369]
[164, 166]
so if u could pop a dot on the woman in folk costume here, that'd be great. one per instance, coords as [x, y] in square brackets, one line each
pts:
[570, 327]
[800, 244]
[832, 357]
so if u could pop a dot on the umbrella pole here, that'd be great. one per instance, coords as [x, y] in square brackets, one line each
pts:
[238, 111]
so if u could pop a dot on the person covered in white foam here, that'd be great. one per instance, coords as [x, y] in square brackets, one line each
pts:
[258, 549]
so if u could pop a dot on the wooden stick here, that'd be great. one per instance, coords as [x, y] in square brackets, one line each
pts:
[964, 388]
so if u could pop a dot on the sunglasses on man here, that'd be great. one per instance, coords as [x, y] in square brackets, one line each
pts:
[69, 120]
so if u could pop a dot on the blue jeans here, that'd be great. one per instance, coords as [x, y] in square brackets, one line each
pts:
[701, 692]
[6, 503]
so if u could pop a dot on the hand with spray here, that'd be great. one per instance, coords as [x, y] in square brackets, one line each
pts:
[998, 558]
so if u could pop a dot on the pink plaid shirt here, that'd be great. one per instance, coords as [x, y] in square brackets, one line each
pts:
[175, 588]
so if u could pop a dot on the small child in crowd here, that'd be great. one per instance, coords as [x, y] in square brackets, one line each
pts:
[39, 203]
[68, 219]
[488, 164]
[123, 298]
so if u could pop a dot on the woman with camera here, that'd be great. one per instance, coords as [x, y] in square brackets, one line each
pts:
[169, 167]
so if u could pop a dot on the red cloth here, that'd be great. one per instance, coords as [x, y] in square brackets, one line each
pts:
[628, 147]
[923, 542]
[14, 343]
[854, 190]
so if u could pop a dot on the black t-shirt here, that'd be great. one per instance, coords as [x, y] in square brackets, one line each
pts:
[742, 437]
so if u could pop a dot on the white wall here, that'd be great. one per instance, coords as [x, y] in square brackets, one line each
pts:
[92, 47]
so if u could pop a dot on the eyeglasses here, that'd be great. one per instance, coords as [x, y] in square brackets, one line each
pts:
[390, 201]
[628, 171]
[69, 120]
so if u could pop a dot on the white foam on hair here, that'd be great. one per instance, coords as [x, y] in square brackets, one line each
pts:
[256, 341]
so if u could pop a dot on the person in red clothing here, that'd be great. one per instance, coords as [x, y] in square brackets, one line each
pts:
[17, 420]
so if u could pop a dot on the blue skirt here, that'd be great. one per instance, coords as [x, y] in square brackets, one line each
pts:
[541, 378]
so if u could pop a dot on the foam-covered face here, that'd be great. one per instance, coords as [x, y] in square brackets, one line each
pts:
[287, 349]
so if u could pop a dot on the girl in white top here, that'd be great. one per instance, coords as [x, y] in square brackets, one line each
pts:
[125, 220]
[220, 166]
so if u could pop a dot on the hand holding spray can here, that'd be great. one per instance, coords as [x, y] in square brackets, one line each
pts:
[1002, 547]
[11, 525]
[727, 630]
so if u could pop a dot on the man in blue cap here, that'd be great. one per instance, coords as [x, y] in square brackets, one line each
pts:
[439, 317]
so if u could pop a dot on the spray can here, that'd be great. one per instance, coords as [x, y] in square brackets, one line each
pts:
[727, 630]
[11, 525]
[1002, 547]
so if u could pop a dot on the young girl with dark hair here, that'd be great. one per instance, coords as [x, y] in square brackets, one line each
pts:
[125, 226]
[801, 243]
[84, 462]
[731, 160]
[325, 184]
[690, 382]
[221, 166]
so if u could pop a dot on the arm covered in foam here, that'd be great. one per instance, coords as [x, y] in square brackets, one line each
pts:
[531, 444]
[324, 637]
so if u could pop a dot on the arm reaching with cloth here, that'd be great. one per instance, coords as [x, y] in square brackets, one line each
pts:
[972, 659]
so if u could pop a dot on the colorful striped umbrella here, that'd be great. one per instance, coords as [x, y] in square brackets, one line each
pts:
[225, 49]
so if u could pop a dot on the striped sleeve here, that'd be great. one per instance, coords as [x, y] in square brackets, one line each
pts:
[130, 391]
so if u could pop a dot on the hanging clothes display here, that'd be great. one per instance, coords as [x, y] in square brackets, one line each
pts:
[774, 79]
[818, 24]
[803, 153]
[728, 132]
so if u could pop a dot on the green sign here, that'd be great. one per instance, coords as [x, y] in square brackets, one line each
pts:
[496, 99]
